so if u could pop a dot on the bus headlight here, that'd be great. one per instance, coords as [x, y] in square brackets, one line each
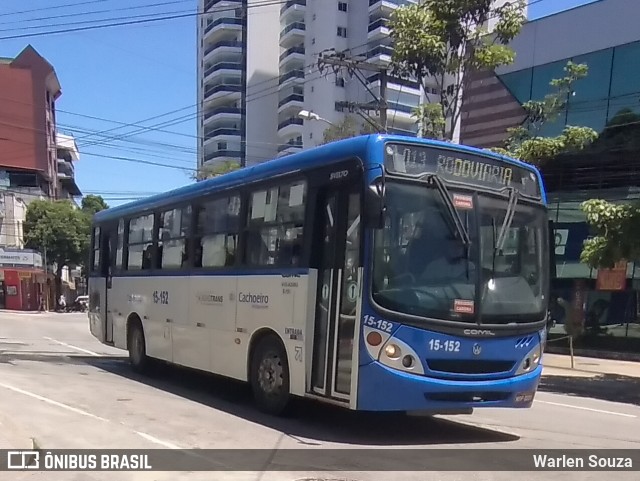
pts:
[392, 351]
[398, 355]
[531, 360]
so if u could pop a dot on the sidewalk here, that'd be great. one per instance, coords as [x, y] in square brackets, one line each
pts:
[560, 364]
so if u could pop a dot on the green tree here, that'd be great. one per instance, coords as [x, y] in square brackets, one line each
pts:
[444, 41]
[209, 171]
[615, 225]
[60, 230]
[349, 127]
[526, 143]
[91, 204]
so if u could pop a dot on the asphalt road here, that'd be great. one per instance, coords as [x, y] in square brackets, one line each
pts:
[62, 388]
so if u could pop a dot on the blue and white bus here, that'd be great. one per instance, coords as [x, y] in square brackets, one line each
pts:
[381, 273]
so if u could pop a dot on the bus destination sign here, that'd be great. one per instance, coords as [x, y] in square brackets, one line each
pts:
[457, 166]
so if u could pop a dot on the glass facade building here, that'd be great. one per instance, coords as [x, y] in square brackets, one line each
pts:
[607, 100]
[602, 36]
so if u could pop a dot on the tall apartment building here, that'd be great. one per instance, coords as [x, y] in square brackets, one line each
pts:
[257, 69]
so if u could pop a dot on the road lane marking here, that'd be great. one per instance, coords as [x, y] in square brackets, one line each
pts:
[47, 400]
[148, 437]
[52, 402]
[86, 351]
[586, 409]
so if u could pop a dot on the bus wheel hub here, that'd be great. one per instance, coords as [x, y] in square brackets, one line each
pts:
[270, 374]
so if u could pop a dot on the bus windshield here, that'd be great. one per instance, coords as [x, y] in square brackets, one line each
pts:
[423, 268]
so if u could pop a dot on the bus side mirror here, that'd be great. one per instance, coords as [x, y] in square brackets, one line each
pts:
[374, 205]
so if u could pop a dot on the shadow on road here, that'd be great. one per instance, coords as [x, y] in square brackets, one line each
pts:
[608, 387]
[310, 420]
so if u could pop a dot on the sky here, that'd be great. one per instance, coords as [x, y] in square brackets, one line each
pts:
[127, 75]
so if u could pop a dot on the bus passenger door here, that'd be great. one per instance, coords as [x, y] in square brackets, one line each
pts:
[337, 260]
[107, 263]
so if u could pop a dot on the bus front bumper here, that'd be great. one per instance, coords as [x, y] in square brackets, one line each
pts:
[383, 389]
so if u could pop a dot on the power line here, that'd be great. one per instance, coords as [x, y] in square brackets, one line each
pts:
[93, 12]
[141, 21]
[90, 2]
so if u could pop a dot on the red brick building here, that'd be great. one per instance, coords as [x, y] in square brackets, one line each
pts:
[29, 87]
[32, 166]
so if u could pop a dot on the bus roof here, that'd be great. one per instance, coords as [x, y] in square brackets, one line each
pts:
[307, 159]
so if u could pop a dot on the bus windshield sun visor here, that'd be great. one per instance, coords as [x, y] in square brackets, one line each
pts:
[459, 228]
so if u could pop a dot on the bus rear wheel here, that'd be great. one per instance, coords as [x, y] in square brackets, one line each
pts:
[137, 348]
[269, 376]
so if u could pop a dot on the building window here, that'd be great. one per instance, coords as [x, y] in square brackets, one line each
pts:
[313, 41]
[342, 32]
[339, 107]
[314, 17]
[140, 245]
[275, 225]
[217, 232]
[339, 81]
[342, 6]
[172, 238]
[222, 146]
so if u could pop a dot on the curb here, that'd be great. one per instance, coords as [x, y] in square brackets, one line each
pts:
[595, 353]
[568, 369]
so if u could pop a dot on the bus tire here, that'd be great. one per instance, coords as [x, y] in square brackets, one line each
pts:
[269, 376]
[137, 347]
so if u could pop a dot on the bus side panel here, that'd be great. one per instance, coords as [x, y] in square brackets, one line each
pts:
[133, 295]
[97, 313]
[278, 302]
[118, 300]
[212, 309]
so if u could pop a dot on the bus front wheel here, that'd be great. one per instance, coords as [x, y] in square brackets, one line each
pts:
[269, 376]
[137, 348]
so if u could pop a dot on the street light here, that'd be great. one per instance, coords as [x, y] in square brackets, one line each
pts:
[307, 115]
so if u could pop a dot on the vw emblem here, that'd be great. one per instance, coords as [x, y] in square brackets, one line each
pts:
[477, 349]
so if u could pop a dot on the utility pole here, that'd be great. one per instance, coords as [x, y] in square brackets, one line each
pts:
[355, 65]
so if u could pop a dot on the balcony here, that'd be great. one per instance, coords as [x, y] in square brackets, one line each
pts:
[295, 75]
[220, 132]
[293, 7]
[289, 148]
[290, 127]
[395, 83]
[220, 154]
[221, 25]
[223, 68]
[225, 92]
[224, 112]
[380, 55]
[388, 6]
[225, 46]
[378, 29]
[292, 101]
[293, 53]
[212, 3]
[293, 34]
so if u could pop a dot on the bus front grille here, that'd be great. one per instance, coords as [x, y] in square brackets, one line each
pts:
[469, 366]
[467, 397]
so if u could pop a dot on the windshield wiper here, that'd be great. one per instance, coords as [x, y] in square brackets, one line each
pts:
[508, 219]
[451, 208]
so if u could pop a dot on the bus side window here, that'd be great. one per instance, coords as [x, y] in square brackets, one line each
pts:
[140, 245]
[172, 239]
[275, 225]
[216, 233]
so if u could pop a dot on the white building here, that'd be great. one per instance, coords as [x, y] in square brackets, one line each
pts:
[258, 71]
